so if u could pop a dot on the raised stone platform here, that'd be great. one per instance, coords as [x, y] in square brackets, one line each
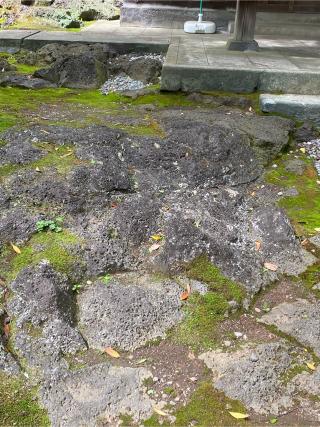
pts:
[199, 62]
[202, 64]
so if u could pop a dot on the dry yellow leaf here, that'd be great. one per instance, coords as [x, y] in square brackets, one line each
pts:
[303, 150]
[238, 415]
[111, 352]
[188, 288]
[16, 249]
[270, 266]
[311, 366]
[159, 411]
[157, 237]
[258, 245]
[66, 155]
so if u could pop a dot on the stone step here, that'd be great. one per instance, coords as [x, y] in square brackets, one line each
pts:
[303, 107]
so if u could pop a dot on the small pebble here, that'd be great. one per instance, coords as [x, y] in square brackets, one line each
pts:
[238, 334]
[254, 357]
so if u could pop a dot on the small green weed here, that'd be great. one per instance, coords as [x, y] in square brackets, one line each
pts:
[77, 288]
[50, 225]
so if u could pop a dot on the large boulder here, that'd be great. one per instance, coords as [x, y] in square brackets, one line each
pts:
[194, 185]
[83, 71]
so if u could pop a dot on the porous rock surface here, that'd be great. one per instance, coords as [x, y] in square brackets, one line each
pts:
[7, 363]
[300, 319]
[130, 314]
[309, 382]
[254, 376]
[98, 392]
[44, 311]
[141, 205]
[182, 184]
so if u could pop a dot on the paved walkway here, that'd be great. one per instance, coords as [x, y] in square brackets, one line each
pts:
[200, 62]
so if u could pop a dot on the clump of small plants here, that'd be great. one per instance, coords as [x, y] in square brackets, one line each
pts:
[54, 225]
[77, 288]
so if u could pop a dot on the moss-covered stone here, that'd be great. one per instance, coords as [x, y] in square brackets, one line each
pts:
[18, 404]
[62, 158]
[203, 270]
[202, 315]
[54, 247]
[311, 277]
[207, 407]
[304, 208]
[204, 312]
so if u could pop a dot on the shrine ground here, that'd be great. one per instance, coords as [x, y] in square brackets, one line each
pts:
[159, 257]
[172, 251]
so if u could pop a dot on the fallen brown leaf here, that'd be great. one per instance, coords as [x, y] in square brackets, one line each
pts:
[258, 245]
[6, 330]
[184, 295]
[270, 266]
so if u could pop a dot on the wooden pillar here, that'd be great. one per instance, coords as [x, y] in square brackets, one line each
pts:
[243, 38]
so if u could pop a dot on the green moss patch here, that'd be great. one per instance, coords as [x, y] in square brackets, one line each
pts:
[203, 270]
[18, 404]
[61, 158]
[207, 407]
[204, 312]
[311, 277]
[303, 209]
[7, 120]
[54, 247]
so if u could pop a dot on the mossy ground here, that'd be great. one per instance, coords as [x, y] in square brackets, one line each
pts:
[207, 407]
[204, 312]
[303, 209]
[311, 277]
[54, 247]
[61, 158]
[18, 404]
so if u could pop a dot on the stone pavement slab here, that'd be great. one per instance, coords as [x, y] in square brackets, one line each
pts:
[300, 319]
[123, 43]
[304, 107]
